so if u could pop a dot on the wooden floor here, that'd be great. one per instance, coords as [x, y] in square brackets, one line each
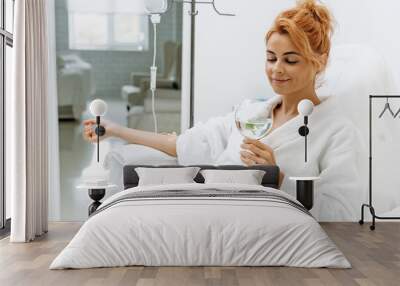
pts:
[375, 257]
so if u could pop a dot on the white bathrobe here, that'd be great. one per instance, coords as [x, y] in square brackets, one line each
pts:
[335, 154]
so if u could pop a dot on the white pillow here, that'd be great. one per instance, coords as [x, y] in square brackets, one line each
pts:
[248, 177]
[163, 176]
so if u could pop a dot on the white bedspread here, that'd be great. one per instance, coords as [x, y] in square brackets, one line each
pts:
[200, 231]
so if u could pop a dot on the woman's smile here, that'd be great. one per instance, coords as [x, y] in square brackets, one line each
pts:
[279, 81]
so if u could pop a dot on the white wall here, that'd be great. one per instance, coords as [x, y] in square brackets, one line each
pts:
[230, 56]
[230, 50]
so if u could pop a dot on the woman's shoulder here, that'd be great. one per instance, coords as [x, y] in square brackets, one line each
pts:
[332, 113]
[337, 123]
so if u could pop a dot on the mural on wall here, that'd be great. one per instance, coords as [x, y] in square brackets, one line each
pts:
[363, 61]
[232, 69]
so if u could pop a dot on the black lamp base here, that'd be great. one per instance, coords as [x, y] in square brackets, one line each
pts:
[100, 130]
[96, 195]
[304, 131]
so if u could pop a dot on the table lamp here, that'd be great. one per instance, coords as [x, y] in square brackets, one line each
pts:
[95, 178]
[98, 108]
[305, 185]
[305, 108]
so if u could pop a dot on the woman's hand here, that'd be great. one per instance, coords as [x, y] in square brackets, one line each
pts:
[89, 127]
[256, 153]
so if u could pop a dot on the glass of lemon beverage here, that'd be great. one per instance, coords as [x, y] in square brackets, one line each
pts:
[251, 119]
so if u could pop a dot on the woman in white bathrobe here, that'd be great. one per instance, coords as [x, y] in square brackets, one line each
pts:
[298, 46]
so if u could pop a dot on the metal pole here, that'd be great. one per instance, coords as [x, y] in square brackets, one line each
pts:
[305, 150]
[98, 145]
[192, 54]
[370, 150]
[3, 45]
[98, 137]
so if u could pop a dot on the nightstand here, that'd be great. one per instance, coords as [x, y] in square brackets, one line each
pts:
[305, 190]
[96, 193]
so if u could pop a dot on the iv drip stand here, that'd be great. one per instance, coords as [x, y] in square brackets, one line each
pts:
[193, 13]
[192, 42]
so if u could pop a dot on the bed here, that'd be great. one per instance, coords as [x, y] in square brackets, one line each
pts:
[201, 224]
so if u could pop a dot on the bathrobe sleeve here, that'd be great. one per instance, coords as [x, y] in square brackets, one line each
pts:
[341, 190]
[204, 143]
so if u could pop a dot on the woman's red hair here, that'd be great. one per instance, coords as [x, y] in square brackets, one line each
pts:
[309, 27]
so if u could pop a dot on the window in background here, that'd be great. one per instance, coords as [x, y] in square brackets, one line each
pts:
[107, 25]
[6, 64]
[8, 81]
[9, 11]
[2, 125]
[128, 29]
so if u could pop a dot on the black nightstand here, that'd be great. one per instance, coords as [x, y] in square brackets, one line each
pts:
[305, 190]
[96, 193]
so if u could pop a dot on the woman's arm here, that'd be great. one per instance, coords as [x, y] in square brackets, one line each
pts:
[163, 142]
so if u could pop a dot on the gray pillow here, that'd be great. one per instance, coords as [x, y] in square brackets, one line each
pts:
[248, 177]
[165, 176]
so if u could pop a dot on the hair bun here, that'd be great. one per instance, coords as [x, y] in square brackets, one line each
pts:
[307, 4]
[317, 11]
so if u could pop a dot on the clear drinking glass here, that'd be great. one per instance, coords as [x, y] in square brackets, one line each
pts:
[251, 119]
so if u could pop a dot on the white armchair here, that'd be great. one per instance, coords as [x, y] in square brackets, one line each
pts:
[167, 98]
[170, 79]
[75, 85]
[168, 112]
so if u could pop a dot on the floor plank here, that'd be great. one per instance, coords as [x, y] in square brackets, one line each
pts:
[374, 255]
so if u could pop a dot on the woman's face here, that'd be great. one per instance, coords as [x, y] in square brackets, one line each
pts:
[287, 70]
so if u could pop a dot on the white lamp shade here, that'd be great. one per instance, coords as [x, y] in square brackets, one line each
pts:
[98, 107]
[305, 107]
[156, 6]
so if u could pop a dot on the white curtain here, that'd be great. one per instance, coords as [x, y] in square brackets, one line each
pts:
[27, 123]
